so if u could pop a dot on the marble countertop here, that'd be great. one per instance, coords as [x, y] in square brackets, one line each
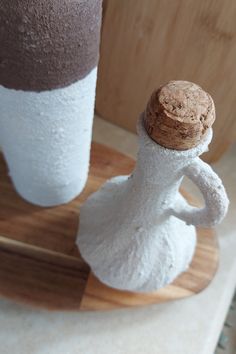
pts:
[188, 326]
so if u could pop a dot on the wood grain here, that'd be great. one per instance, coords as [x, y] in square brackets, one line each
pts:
[40, 277]
[40, 265]
[147, 43]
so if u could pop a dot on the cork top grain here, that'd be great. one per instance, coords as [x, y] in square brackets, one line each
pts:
[178, 115]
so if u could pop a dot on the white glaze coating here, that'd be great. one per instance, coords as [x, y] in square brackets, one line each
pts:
[46, 140]
[127, 233]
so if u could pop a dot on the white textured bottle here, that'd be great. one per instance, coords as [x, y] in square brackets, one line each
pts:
[137, 232]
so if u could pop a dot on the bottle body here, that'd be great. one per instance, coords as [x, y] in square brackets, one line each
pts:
[47, 91]
[134, 243]
[46, 140]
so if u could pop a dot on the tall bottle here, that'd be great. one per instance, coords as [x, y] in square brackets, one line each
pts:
[48, 70]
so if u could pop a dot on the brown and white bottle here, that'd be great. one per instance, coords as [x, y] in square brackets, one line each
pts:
[48, 70]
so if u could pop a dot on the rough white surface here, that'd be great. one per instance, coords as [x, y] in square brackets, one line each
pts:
[46, 140]
[127, 234]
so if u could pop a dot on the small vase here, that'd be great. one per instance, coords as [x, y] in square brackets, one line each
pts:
[137, 232]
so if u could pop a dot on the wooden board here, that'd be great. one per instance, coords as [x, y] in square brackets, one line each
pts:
[147, 43]
[41, 266]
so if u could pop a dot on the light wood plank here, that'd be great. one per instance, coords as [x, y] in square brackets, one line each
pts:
[147, 43]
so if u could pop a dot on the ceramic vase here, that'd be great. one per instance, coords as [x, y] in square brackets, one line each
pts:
[137, 232]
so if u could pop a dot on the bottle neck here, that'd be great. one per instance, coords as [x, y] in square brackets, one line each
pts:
[154, 172]
[157, 165]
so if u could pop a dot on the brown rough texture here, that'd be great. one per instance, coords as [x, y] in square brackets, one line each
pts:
[179, 114]
[47, 44]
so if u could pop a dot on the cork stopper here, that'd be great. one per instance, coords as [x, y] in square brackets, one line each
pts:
[179, 115]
